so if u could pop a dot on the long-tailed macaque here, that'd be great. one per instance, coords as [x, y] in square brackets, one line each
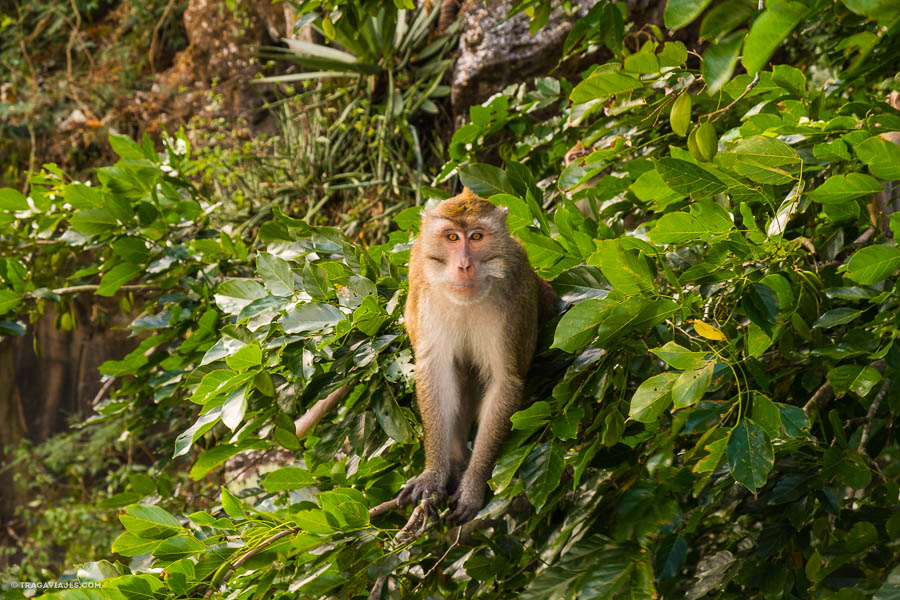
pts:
[472, 315]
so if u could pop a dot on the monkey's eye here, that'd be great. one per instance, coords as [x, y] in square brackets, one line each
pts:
[452, 237]
[476, 236]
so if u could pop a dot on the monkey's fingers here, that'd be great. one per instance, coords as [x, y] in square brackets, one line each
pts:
[463, 513]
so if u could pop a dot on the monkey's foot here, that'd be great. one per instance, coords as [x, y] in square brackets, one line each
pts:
[431, 485]
[465, 503]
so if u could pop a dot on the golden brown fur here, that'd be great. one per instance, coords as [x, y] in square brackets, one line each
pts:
[472, 315]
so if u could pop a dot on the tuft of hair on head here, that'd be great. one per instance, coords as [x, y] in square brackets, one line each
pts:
[467, 206]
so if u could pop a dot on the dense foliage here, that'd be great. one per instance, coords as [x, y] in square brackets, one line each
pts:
[713, 414]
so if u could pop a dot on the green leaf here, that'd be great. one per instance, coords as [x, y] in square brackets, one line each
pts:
[287, 478]
[215, 456]
[150, 522]
[602, 85]
[485, 180]
[347, 505]
[542, 472]
[313, 521]
[125, 147]
[311, 316]
[793, 419]
[93, 221]
[841, 188]
[724, 18]
[234, 294]
[232, 506]
[837, 316]
[681, 12]
[276, 274]
[750, 455]
[692, 384]
[688, 179]
[881, 156]
[246, 358]
[861, 536]
[679, 357]
[652, 397]
[565, 424]
[790, 78]
[12, 200]
[117, 277]
[766, 415]
[890, 589]
[626, 270]
[203, 424]
[720, 59]
[579, 325]
[129, 544]
[234, 407]
[768, 31]
[532, 417]
[9, 300]
[178, 547]
[858, 379]
[678, 228]
[872, 264]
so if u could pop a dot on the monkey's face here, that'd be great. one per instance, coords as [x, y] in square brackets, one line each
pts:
[462, 257]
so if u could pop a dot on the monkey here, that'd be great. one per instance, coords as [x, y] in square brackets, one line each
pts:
[472, 314]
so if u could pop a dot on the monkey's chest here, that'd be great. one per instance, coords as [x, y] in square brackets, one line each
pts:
[474, 334]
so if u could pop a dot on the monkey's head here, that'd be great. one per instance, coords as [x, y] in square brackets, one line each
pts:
[464, 243]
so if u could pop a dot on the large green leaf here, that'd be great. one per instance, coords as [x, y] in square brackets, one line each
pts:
[720, 59]
[692, 384]
[750, 455]
[652, 397]
[872, 264]
[881, 156]
[579, 325]
[841, 188]
[681, 12]
[542, 472]
[627, 271]
[689, 179]
[602, 85]
[768, 31]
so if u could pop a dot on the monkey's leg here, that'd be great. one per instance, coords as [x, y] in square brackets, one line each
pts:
[501, 400]
[437, 392]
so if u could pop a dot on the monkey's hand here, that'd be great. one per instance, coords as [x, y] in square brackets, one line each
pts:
[430, 484]
[465, 502]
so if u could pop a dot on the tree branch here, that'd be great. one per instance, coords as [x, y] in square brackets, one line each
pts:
[309, 419]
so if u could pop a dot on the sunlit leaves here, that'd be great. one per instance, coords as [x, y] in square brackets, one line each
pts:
[652, 398]
[768, 31]
[601, 85]
[873, 264]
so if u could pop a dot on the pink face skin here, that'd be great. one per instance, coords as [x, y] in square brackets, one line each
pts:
[464, 255]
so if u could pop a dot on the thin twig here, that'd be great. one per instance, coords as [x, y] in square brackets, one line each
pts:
[441, 559]
[822, 394]
[154, 38]
[746, 91]
[384, 507]
[239, 562]
[870, 415]
[103, 391]
[77, 289]
[319, 409]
